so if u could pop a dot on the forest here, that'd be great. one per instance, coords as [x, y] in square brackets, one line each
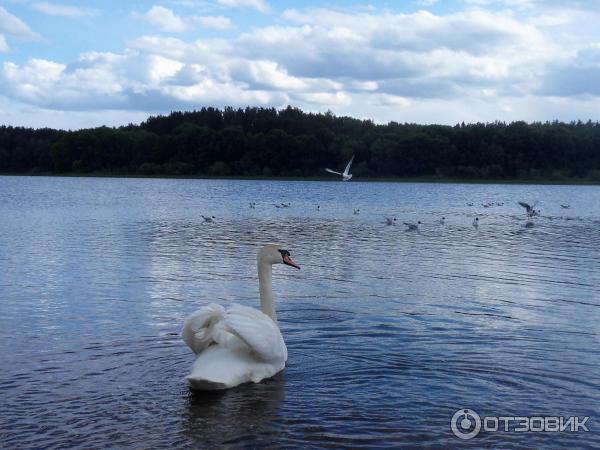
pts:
[266, 142]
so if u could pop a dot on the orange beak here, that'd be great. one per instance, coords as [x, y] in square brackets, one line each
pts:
[290, 262]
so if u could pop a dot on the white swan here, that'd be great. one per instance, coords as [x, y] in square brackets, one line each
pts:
[240, 344]
[346, 175]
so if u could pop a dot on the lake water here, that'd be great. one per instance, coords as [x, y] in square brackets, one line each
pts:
[389, 332]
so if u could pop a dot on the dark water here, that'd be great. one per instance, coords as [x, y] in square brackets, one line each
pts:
[389, 333]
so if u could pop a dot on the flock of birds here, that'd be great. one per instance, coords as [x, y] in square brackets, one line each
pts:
[530, 210]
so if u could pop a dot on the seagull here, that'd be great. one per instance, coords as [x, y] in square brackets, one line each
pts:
[476, 222]
[390, 220]
[276, 205]
[442, 221]
[346, 175]
[469, 204]
[286, 205]
[252, 205]
[208, 219]
[412, 226]
[530, 209]
[318, 207]
[565, 206]
[357, 211]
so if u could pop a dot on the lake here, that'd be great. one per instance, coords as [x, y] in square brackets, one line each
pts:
[389, 332]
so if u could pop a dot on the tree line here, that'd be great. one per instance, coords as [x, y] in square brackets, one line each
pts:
[267, 142]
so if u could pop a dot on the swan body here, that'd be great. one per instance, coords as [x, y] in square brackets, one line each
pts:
[239, 344]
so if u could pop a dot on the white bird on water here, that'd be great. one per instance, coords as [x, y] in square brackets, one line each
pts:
[208, 218]
[476, 222]
[412, 226]
[346, 175]
[239, 344]
[390, 220]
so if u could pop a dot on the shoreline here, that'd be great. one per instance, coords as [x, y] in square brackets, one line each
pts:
[437, 180]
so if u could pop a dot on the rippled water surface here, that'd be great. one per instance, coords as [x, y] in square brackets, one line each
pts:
[388, 332]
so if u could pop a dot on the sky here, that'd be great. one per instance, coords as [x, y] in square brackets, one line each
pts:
[75, 64]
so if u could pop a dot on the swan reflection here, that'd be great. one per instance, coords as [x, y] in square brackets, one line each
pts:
[239, 415]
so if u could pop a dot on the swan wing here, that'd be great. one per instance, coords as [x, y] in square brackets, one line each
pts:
[347, 170]
[258, 331]
[201, 328]
[332, 171]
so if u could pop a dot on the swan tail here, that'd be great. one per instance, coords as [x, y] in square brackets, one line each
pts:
[201, 329]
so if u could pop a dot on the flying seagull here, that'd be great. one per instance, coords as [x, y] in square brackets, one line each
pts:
[346, 175]
[530, 209]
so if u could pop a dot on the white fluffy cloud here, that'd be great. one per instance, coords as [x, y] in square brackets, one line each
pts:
[165, 19]
[474, 64]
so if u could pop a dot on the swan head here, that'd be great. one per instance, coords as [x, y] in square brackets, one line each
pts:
[276, 254]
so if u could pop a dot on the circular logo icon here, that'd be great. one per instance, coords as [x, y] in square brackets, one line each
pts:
[465, 424]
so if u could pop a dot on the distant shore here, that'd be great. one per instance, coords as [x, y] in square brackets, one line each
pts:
[441, 180]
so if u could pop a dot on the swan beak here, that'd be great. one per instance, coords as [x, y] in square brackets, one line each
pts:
[290, 262]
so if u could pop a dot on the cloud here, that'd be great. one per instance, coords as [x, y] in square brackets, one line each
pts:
[170, 22]
[53, 9]
[259, 5]
[214, 22]
[11, 25]
[363, 62]
[165, 19]
[3, 44]
[578, 75]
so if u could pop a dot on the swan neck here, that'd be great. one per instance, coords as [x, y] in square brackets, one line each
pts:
[267, 303]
